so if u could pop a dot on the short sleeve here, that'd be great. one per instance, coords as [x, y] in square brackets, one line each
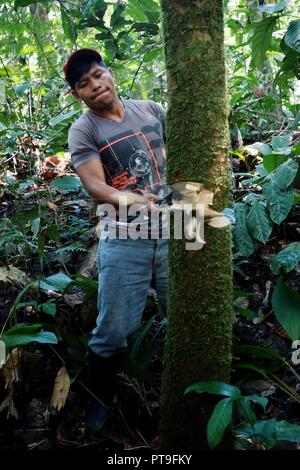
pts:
[160, 112]
[82, 146]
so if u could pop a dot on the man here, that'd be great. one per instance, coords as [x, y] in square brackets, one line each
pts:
[117, 149]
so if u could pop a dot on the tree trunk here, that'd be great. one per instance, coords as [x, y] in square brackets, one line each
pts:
[200, 306]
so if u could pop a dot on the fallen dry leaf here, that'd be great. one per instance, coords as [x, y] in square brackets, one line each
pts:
[11, 374]
[2, 353]
[61, 389]
[11, 371]
[51, 206]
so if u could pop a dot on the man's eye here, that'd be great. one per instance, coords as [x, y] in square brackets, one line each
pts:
[82, 84]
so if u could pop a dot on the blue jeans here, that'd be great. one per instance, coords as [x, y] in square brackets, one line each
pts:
[127, 268]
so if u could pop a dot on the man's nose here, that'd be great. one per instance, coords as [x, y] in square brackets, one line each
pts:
[95, 85]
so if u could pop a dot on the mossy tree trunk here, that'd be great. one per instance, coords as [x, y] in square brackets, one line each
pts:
[200, 308]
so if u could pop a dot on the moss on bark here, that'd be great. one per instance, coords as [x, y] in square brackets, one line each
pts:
[200, 306]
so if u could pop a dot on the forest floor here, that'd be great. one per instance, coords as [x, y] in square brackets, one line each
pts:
[28, 421]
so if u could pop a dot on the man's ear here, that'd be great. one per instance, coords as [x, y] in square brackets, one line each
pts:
[111, 72]
[74, 93]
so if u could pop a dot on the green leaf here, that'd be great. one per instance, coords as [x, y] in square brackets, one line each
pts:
[25, 3]
[257, 351]
[22, 328]
[49, 308]
[218, 422]
[242, 238]
[286, 305]
[116, 19]
[249, 365]
[53, 234]
[285, 174]
[263, 401]
[68, 25]
[290, 64]
[270, 431]
[295, 126]
[261, 39]
[35, 226]
[246, 410]
[261, 170]
[149, 5]
[216, 388]
[135, 10]
[258, 221]
[66, 184]
[279, 201]
[149, 27]
[150, 56]
[292, 36]
[259, 147]
[286, 431]
[287, 259]
[273, 7]
[62, 118]
[104, 35]
[281, 142]
[272, 161]
[20, 89]
[22, 334]
[56, 282]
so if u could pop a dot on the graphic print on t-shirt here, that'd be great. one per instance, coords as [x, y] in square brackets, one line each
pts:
[129, 162]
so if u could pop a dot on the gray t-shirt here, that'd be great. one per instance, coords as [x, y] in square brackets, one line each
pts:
[132, 151]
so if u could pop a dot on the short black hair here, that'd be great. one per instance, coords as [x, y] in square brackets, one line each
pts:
[80, 67]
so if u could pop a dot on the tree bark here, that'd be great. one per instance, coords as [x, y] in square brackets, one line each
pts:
[200, 306]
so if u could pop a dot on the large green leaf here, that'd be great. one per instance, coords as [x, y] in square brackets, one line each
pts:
[286, 305]
[218, 422]
[62, 117]
[270, 431]
[272, 161]
[246, 410]
[261, 39]
[273, 7]
[263, 401]
[281, 144]
[290, 64]
[258, 221]
[140, 10]
[279, 201]
[22, 334]
[242, 238]
[287, 259]
[56, 282]
[292, 36]
[66, 183]
[20, 89]
[135, 9]
[285, 174]
[216, 388]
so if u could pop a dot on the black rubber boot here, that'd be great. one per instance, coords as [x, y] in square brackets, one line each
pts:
[102, 378]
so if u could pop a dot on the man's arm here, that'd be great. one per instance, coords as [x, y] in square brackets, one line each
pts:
[92, 177]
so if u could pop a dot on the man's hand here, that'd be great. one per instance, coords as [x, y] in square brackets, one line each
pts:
[130, 198]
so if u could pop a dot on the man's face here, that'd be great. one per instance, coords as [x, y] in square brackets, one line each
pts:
[96, 88]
